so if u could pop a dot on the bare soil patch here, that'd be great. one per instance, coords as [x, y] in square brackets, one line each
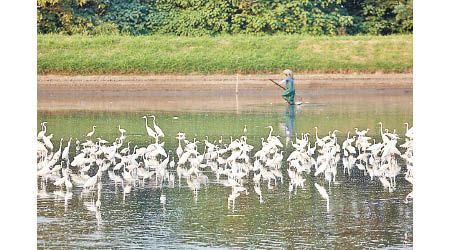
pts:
[220, 82]
[205, 92]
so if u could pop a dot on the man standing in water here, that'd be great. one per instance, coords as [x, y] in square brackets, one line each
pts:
[289, 93]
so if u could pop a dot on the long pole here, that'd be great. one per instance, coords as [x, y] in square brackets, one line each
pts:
[278, 84]
[237, 82]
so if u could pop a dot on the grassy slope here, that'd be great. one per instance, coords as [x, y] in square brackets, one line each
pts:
[222, 54]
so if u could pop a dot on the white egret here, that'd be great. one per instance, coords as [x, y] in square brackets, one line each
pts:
[230, 160]
[328, 137]
[294, 155]
[101, 141]
[361, 133]
[41, 149]
[60, 182]
[41, 134]
[121, 130]
[65, 154]
[77, 147]
[322, 167]
[311, 150]
[179, 149]
[409, 131]
[125, 150]
[392, 135]
[150, 131]
[92, 132]
[297, 147]
[127, 176]
[157, 129]
[319, 141]
[85, 168]
[271, 130]
[383, 136]
[91, 182]
[273, 141]
[57, 155]
[172, 162]
[47, 141]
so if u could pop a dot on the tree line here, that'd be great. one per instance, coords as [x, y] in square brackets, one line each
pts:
[212, 17]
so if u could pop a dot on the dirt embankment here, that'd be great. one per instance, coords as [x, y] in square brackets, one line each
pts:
[196, 92]
[222, 82]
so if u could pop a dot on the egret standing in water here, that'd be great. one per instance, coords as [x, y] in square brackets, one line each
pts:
[409, 131]
[65, 154]
[157, 129]
[237, 167]
[121, 130]
[48, 142]
[92, 132]
[77, 147]
[91, 181]
[44, 130]
[150, 131]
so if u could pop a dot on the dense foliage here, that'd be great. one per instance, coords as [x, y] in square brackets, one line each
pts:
[211, 17]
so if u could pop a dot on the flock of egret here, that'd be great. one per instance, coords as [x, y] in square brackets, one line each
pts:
[233, 164]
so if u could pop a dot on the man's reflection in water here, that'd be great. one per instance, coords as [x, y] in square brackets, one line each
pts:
[287, 128]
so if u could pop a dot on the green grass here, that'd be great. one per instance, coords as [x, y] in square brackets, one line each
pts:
[119, 54]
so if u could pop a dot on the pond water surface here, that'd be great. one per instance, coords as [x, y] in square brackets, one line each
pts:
[362, 213]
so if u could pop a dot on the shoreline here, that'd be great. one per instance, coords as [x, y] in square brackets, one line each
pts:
[378, 81]
[212, 92]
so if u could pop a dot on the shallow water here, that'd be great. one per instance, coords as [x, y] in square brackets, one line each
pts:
[362, 214]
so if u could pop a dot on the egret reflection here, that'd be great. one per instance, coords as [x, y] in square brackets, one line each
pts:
[245, 176]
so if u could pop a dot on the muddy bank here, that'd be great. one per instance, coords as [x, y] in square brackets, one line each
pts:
[212, 92]
[244, 82]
